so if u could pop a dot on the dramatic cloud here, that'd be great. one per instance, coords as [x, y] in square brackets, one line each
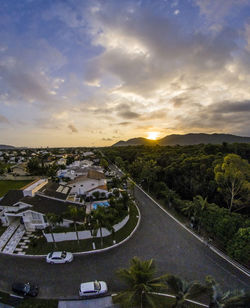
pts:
[101, 66]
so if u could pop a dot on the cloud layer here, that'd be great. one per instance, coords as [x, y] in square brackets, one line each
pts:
[78, 73]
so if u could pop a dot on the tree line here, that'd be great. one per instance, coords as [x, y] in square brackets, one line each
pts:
[209, 184]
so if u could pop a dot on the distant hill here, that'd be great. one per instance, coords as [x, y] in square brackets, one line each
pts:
[187, 139]
[135, 141]
[6, 147]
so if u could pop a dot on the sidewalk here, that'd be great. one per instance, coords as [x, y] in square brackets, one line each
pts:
[102, 302]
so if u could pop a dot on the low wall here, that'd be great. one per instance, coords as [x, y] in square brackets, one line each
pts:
[71, 236]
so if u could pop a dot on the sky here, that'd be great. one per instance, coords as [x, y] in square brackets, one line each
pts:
[91, 73]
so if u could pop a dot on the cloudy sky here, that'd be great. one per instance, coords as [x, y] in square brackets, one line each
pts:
[84, 73]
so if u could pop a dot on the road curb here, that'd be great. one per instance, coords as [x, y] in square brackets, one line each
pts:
[214, 249]
[89, 251]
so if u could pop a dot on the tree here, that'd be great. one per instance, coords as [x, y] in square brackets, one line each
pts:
[101, 220]
[96, 194]
[148, 172]
[53, 221]
[141, 282]
[184, 290]
[69, 160]
[104, 163]
[232, 177]
[239, 247]
[229, 299]
[194, 209]
[76, 214]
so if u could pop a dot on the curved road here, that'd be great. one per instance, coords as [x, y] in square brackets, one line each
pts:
[174, 249]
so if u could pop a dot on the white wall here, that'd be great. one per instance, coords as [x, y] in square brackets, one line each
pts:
[71, 236]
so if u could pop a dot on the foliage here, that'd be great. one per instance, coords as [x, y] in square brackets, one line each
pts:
[184, 178]
[37, 166]
[229, 299]
[183, 289]
[239, 247]
[232, 177]
[140, 280]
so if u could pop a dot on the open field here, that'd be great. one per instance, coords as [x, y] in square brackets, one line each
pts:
[5, 186]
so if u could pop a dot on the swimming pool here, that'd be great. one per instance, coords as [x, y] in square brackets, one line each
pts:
[95, 205]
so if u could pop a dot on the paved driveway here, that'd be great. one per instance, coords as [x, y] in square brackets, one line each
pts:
[174, 249]
[104, 302]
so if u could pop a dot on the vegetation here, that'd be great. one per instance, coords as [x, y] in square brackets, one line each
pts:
[207, 184]
[5, 186]
[141, 282]
[184, 290]
[41, 246]
[142, 286]
[229, 299]
[76, 212]
[53, 221]
[37, 166]
[232, 177]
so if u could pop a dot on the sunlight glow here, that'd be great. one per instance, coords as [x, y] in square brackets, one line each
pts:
[153, 135]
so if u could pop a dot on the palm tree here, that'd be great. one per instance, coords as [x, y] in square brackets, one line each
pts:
[76, 214]
[229, 299]
[100, 217]
[184, 290]
[194, 209]
[53, 221]
[141, 282]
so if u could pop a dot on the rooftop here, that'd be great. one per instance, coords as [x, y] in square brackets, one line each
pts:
[56, 190]
[45, 205]
[12, 197]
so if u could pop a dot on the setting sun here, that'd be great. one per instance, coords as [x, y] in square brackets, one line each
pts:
[153, 135]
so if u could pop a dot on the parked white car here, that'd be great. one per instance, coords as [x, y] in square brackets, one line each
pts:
[58, 257]
[93, 288]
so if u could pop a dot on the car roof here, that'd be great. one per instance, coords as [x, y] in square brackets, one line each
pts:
[56, 254]
[87, 286]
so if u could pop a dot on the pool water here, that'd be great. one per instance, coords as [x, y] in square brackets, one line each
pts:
[95, 205]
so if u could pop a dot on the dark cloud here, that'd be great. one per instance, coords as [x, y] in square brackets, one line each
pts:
[124, 111]
[178, 101]
[167, 51]
[225, 116]
[229, 107]
[72, 128]
[124, 123]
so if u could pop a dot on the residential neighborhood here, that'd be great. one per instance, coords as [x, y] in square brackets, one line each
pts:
[82, 184]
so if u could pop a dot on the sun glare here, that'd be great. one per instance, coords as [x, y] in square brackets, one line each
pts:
[153, 135]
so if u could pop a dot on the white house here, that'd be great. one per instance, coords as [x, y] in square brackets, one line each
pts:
[31, 211]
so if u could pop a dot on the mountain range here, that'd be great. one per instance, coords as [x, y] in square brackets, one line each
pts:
[6, 147]
[187, 139]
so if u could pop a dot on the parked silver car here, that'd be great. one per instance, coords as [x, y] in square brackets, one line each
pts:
[93, 288]
[58, 257]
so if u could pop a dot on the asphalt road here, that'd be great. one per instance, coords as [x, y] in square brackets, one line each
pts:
[159, 237]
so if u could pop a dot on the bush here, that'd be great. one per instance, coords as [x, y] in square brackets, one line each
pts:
[239, 247]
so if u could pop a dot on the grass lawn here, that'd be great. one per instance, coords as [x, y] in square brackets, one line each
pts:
[42, 247]
[5, 186]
